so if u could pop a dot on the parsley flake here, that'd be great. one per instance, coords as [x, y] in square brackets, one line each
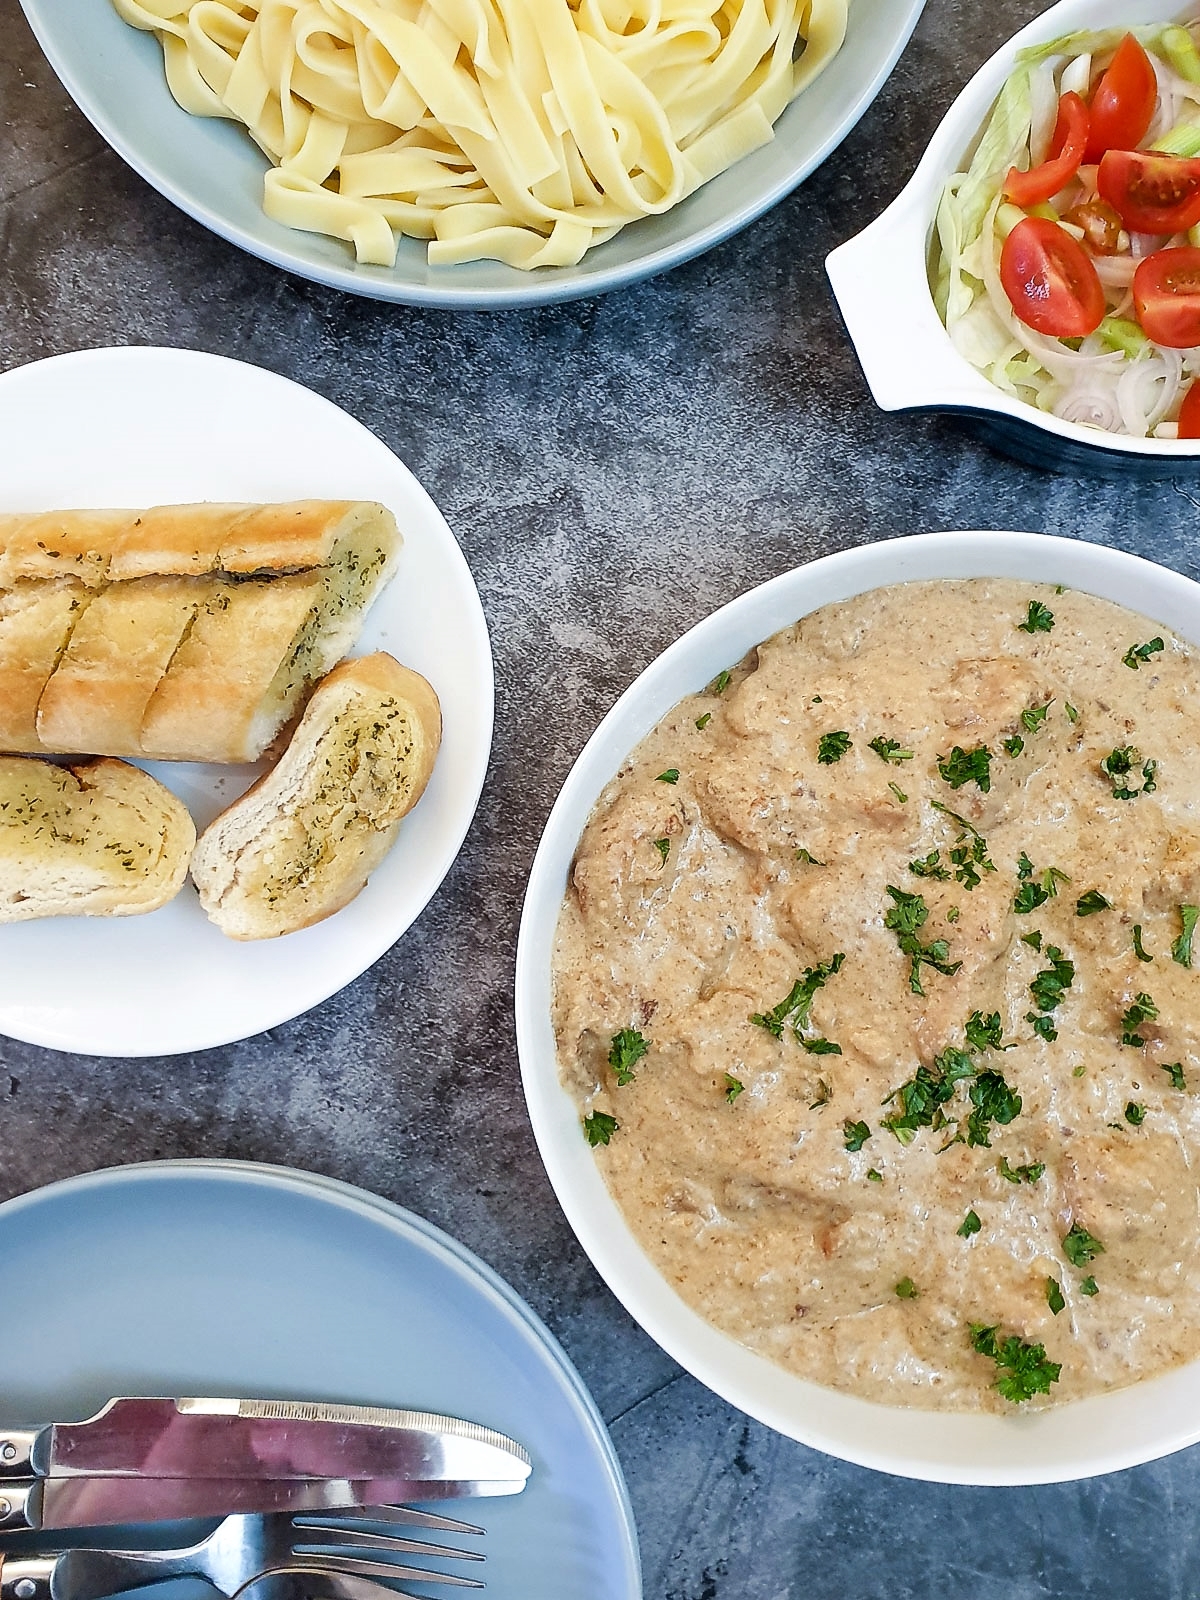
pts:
[1051, 984]
[1054, 1295]
[733, 1087]
[1135, 1114]
[889, 750]
[874, 1175]
[1033, 940]
[600, 1127]
[1072, 714]
[970, 1224]
[930, 866]
[703, 721]
[994, 1101]
[1138, 950]
[824, 1095]
[905, 918]
[1042, 1026]
[1013, 745]
[1039, 620]
[671, 775]
[721, 682]
[1089, 1286]
[1029, 1172]
[1181, 950]
[1175, 1070]
[821, 1047]
[967, 766]
[1117, 767]
[795, 1006]
[1080, 1247]
[1023, 1369]
[984, 1033]
[1139, 654]
[663, 846]
[906, 1289]
[899, 793]
[1088, 904]
[855, 1134]
[832, 747]
[806, 856]
[1142, 1010]
[626, 1050]
[1033, 716]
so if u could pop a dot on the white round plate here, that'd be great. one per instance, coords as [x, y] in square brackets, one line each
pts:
[211, 169]
[141, 427]
[227, 1278]
[1079, 1440]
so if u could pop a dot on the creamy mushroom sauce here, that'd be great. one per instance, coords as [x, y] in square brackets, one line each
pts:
[693, 907]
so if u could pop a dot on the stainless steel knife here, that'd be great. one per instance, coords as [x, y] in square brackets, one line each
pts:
[150, 1459]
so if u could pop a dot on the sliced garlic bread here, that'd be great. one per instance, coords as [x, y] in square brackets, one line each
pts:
[302, 842]
[101, 839]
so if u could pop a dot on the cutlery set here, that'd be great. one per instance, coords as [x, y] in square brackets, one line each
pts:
[293, 1482]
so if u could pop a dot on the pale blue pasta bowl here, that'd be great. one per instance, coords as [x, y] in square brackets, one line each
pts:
[214, 172]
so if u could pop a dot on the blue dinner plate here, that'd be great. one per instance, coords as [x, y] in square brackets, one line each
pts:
[222, 1278]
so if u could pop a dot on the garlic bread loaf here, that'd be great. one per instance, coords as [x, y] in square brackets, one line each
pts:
[188, 633]
[101, 839]
[302, 842]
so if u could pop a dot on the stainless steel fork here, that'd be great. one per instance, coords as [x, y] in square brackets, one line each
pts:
[242, 1550]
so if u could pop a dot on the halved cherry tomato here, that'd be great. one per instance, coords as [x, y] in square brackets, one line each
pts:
[1166, 293]
[1123, 102]
[1066, 152]
[1189, 413]
[1153, 193]
[1050, 280]
[1101, 226]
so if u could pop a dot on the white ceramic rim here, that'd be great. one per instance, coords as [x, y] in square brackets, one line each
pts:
[880, 278]
[556, 285]
[1081, 1439]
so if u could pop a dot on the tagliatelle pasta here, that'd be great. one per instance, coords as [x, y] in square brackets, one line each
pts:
[521, 130]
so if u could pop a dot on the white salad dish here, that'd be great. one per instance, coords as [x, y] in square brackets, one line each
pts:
[140, 427]
[1080, 1439]
[213, 171]
[880, 280]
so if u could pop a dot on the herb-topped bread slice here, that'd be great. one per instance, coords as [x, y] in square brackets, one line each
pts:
[101, 839]
[302, 842]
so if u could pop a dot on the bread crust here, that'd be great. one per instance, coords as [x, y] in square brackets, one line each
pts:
[303, 840]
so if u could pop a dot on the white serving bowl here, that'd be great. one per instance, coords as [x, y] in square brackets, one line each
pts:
[880, 280]
[212, 169]
[1075, 1440]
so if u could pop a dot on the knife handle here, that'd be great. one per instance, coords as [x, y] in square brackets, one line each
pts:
[16, 1452]
[20, 1506]
[26, 1577]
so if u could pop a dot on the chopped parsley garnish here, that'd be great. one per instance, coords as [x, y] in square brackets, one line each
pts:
[804, 855]
[1089, 1286]
[1080, 1246]
[968, 854]
[671, 775]
[889, 750]
[663, 846]
[952, 914]
[1119, 763]
[923, 1096]
[874, 1175]
[855, 1134]
[1033, 940]
[1142, 1010]
[899, 793]
[733, 1087]
[795, 1006]
[703, 721]
[1051, 984]
[906, 1289]
[1029, 1172]
[1072, 714]
[967, 766]
[1175, 1069]
[905, 918]
[994, 1101]
[721, 682]
[824, 1095]
[1181, 950]
[1023, 1369]
[600, 1127]
[1088, 904]
[1033, 716]
[1033, 894]
[930, 866]
[1138, 951]
[1029, 896]
[984, 1033]
[821, 1047]
[1135, 1114]
[970, 1224]
[1042, 1026]
[1013, 745]
[1039, 620]
[832, 747]
[626, 1050]
[1054, 1295]
[1138, 654]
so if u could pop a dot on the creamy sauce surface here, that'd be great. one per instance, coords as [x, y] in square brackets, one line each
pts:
[697, 905]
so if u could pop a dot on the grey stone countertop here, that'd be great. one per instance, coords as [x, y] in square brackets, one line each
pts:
[614, 469]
